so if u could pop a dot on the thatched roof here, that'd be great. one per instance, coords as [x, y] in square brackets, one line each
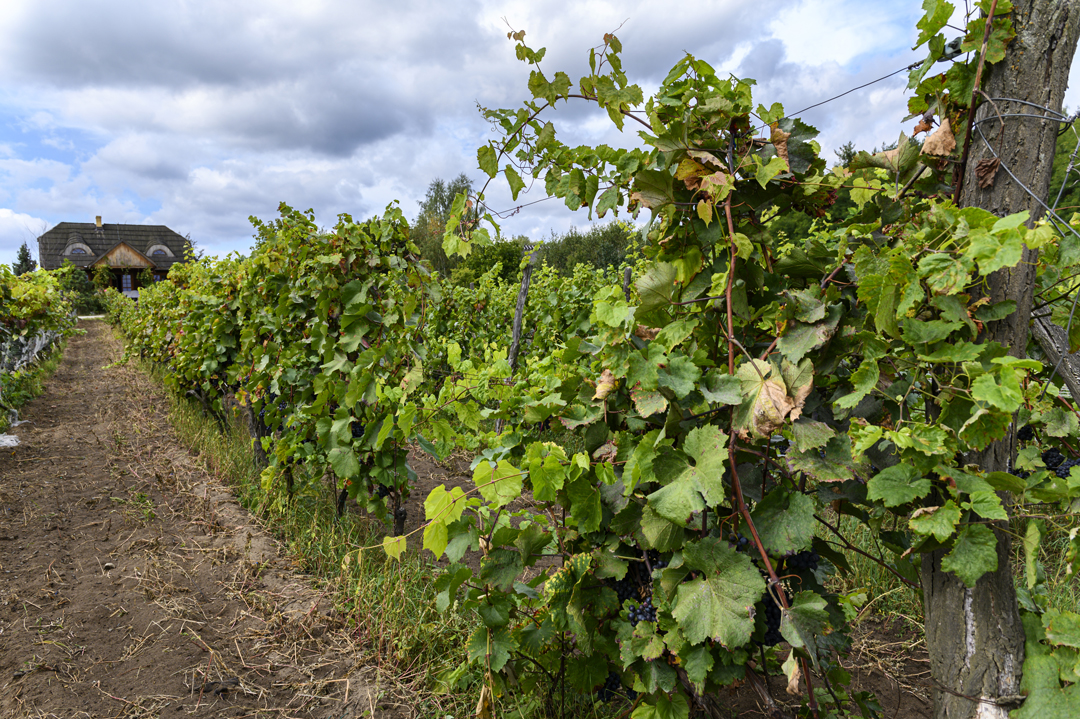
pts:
[157, 243]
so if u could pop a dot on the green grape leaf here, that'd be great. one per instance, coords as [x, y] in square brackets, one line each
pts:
[973, 555]
[487, 160]
[344, 462]
[1006, 395]
[864, 380]
[674, 707]
[717, 604]
[936, 15]
[1045, 697]
[810, 434]
[938, 521]
[661, 534]
[721, 388]
[585, 506]
[689, 487]
[680, 375]
[897, 485]
[785, 521]
[1060, 422]
[490, 647]
[805, 619]
[656, 287]
[1062, 627]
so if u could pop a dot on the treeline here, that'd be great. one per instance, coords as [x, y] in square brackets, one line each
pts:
[601, 247]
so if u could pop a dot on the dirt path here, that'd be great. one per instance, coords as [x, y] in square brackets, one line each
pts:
[134, 586]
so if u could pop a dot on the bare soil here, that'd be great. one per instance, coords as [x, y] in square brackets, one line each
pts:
[133, 585]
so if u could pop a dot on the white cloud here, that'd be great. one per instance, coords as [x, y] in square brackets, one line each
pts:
[15, 229]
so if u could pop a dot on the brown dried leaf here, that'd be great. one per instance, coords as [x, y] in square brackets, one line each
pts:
[793, 681]
[801, 393]
[706, 158]
[607, 452]
[986, 171]
[779, 140]
[772, 406]
[923, 126]
[646, 333]
[942, 142]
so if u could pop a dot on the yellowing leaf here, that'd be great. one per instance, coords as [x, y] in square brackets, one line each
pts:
[499, 484]
[394, 546]
[605, 386]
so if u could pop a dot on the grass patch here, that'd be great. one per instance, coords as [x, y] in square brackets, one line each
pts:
[18, 388]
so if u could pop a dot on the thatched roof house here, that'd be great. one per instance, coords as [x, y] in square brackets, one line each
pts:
[127, 249]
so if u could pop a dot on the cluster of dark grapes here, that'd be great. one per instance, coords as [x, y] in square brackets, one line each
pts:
[613, 688]
[626, 589]
[643, 612]
[1026, 433]
[357, 430]
[382, 491]
[773, 616]
[655, 560]
[807, 560]
[739, 541]
[1059, 463]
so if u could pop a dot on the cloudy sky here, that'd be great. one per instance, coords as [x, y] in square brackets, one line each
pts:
[197, 114]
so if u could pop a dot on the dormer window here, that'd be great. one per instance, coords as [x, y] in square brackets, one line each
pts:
[78, 248]
[158, 253]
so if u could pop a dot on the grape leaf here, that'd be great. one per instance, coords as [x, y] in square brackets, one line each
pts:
[785, 521]
[1062, 627]
[973, 555]
[717, 603]
[897, 485]
[938, 521]
[805, 618]
[810, 434]
[674, 707]
[490, 647]
[689, 488]
[499, 484]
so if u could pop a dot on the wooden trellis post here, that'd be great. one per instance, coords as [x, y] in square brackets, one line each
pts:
[519, 314]
[519, 310]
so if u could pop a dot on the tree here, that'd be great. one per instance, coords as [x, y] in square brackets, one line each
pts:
[602, 246]
[975, 636]
[845, 154]
[24, 262]
[427, 229]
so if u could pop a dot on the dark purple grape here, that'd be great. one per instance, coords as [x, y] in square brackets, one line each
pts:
[1026, 433]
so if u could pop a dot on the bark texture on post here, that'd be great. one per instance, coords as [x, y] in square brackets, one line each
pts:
[1054, 341]
[974, 636]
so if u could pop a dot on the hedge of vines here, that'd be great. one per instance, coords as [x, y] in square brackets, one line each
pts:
[339, 343]
[34, 312]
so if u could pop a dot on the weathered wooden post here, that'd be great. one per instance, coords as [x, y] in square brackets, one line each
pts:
[519, 314]
[519, 310]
